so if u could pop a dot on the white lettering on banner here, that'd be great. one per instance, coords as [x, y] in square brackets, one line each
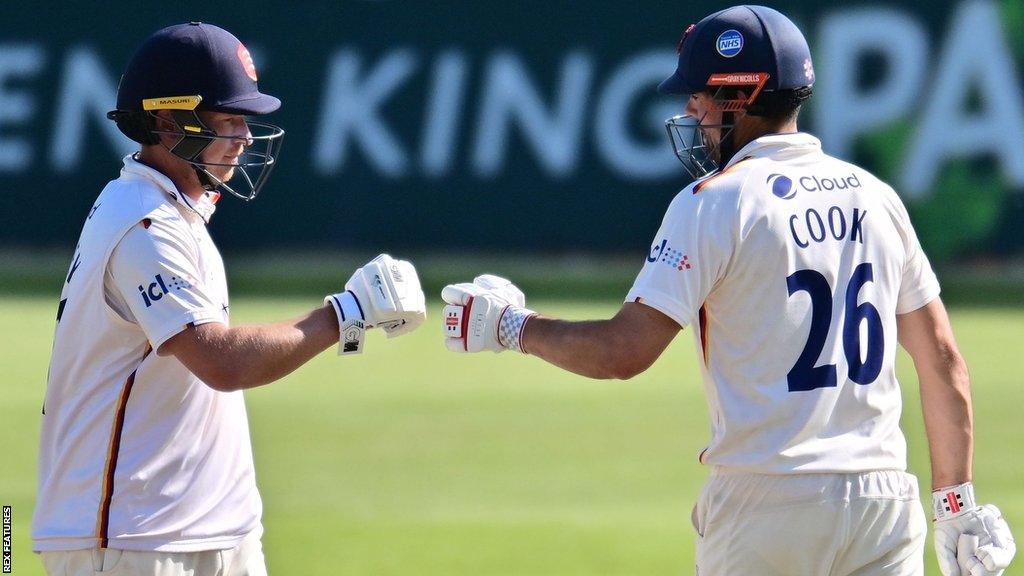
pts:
[842, 110]
[470, 110]
[636, 160]
[509, 95]
[16, 106]
[86, 95]
[350, 112]
[441, 124]
[976, 56]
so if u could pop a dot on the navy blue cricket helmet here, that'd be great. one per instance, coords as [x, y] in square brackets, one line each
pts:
[742, 40]
[188, 68]
[750, 59]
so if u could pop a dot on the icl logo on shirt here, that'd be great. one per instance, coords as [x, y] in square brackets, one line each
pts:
[157, 289]
[671, 256]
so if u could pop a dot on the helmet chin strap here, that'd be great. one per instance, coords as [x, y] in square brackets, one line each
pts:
[207, 180]
[726, 146]
[213, 184]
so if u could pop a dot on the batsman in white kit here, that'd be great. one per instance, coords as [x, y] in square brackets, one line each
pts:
[799, 274]
[145, 461]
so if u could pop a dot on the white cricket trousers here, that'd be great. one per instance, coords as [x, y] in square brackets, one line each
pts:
[861, 524]
[246, 559]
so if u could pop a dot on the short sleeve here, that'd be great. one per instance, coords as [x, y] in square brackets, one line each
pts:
[689, 255]
[154, 269]
[918, 285]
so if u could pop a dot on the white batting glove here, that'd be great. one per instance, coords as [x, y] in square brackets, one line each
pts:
[384, 293]
[970, 540]
[488, 314]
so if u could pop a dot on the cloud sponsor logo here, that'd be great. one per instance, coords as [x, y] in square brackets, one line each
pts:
[782, 186]
[825, 184]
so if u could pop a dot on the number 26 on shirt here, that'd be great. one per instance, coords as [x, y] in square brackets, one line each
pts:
[804, 375]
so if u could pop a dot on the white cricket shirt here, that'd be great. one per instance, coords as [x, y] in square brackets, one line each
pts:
[793, 266]
[137, 453]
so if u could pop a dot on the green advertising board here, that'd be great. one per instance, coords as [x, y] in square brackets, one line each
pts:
[525, 126]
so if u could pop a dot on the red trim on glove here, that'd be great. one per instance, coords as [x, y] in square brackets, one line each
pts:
[465, 324]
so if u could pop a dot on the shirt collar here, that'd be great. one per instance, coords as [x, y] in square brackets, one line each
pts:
[781, 146]
[204, 207]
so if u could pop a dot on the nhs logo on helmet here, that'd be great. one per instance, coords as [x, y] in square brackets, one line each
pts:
[729, 43]
[786, 188]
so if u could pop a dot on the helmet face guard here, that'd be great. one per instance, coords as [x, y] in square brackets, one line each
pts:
[183, 69]
[698, 153]
[252, 167]
[688, 136]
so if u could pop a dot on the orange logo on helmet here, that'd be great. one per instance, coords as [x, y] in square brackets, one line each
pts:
[246, 60]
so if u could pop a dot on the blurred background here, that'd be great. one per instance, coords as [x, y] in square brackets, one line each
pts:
[525, 139]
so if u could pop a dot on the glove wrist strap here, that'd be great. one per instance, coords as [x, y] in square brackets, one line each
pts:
[351, 322]
[510, 327]
[954, 501]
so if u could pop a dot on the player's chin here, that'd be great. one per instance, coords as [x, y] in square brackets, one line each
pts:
[223, 173]
[712, 151]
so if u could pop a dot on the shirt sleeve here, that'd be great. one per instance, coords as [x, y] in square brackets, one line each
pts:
[689, 254]
[154, 271]
[918, 285]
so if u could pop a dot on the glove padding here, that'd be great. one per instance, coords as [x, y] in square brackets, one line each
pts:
[384, 293]
[973, 540]
[487, 314]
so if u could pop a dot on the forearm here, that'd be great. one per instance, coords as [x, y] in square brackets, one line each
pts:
[596, 349]
[927, 335]
[250, 356]
[948, 418]
[490, 314]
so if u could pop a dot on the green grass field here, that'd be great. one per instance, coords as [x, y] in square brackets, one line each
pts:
[413, 460]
